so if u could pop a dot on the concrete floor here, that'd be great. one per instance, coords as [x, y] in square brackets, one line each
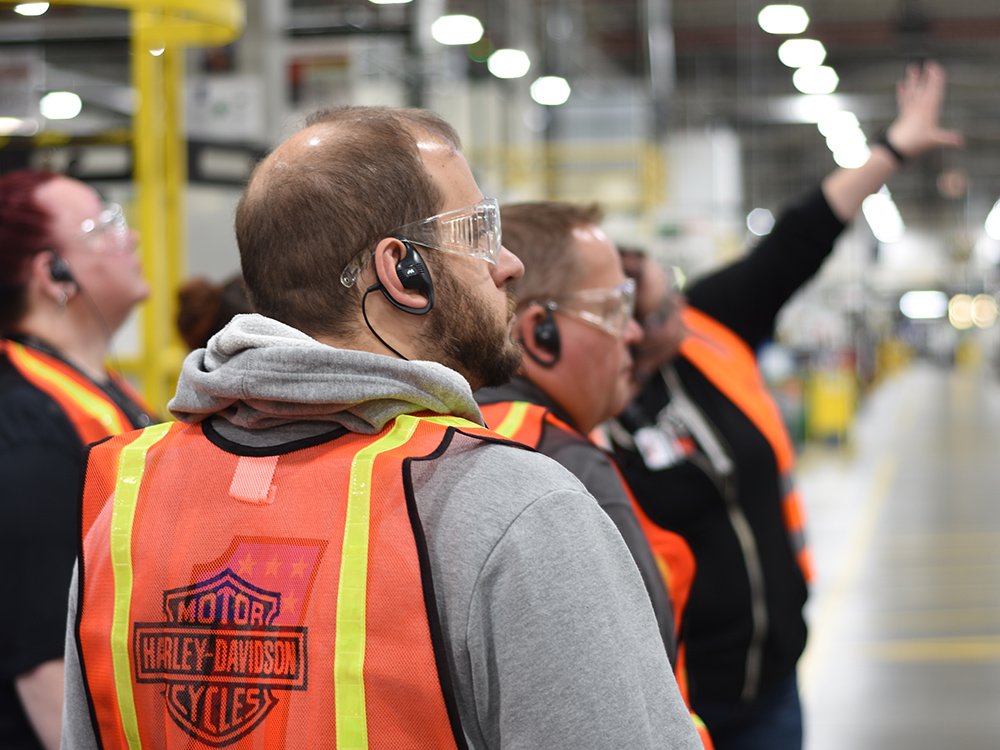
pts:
[905, 524]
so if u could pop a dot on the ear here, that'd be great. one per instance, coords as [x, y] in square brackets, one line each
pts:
[525, 321]
[41, 278]
[388, 253]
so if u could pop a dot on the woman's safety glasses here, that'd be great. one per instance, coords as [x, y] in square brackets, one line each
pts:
[110, 222]
[473, 230]
[607, 309]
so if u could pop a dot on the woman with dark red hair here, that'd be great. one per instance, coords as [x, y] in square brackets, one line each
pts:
[69, 278]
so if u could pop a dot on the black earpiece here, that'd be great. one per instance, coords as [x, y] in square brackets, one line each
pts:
[413, 274]
[59, 270]
[546, 335]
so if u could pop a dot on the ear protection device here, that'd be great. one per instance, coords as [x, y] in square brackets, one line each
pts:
[414, 275]
[546, 335]
[59, 270]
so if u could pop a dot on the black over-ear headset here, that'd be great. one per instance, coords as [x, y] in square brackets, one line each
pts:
[413, 274]
[546, 335]
[59, 270]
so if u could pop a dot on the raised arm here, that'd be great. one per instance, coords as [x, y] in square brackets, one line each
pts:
[915, 131]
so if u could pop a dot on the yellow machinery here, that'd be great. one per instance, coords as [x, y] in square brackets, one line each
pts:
[159, 148]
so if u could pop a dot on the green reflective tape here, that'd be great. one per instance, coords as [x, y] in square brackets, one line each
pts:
[349, 646]
[131, 465]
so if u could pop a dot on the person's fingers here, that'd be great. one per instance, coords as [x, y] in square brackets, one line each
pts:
[949, 139]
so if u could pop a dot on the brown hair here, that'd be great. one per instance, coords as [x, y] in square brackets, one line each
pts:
[204, 308]
[539, 233]
[307, 212]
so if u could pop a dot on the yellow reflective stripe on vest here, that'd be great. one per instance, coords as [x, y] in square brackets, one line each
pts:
[131, 466]
[352, 591]
[446, 421]
[514, 419]
[95, 406]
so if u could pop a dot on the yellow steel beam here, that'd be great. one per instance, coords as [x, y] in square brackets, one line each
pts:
[160, 156]
[175, 178]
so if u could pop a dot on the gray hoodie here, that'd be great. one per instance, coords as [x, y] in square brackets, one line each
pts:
[549, 634]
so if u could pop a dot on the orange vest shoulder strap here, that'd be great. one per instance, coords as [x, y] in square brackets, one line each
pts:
[523, 421]
[726, 360]
[93, 415]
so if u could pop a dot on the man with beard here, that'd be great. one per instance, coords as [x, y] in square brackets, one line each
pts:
[329, 550]
[574, 323]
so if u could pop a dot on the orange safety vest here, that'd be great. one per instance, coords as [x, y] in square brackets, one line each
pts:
[726, 360]
[259, 600]
[92, 413]
[525, 422]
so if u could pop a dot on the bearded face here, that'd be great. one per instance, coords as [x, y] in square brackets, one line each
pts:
[468, 335]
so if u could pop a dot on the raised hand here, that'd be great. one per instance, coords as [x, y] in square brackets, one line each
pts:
[919, 97]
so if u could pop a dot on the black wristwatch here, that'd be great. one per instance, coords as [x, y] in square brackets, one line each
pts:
[883, 140]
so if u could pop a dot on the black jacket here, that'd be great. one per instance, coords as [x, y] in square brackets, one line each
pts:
[744, 628]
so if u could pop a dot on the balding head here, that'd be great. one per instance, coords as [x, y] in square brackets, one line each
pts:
[328, 193]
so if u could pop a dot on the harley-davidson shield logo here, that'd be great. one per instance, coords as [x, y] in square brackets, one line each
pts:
[219, 657]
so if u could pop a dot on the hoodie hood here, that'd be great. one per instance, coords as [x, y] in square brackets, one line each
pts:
[258, 373]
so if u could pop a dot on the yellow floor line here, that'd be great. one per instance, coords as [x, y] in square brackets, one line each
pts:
[937, 650]
[826, 618]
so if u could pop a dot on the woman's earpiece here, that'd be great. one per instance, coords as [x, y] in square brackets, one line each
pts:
[59, 270]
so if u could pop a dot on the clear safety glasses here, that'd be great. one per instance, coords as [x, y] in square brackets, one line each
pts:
[473, 230]
[669, 307]
[607, 309]
[110, 222]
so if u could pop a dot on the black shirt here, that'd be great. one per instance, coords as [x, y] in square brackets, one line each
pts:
[41, 471]
[689, 496]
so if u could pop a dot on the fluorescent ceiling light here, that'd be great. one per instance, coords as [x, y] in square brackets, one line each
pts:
[851, 157]
[783, 19]
[984, 310]
[60, 105]
[960, 311]
[802, 53]
[457, 29]
[509, 63]
[924, 305]
[760, 221]
[883, 217]
[550, 90]
[993, 222]
[846, 139]
[819, 79]
[31, 9]
[389, 2]
[835, 122]
[10, 125]
[815, 107]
